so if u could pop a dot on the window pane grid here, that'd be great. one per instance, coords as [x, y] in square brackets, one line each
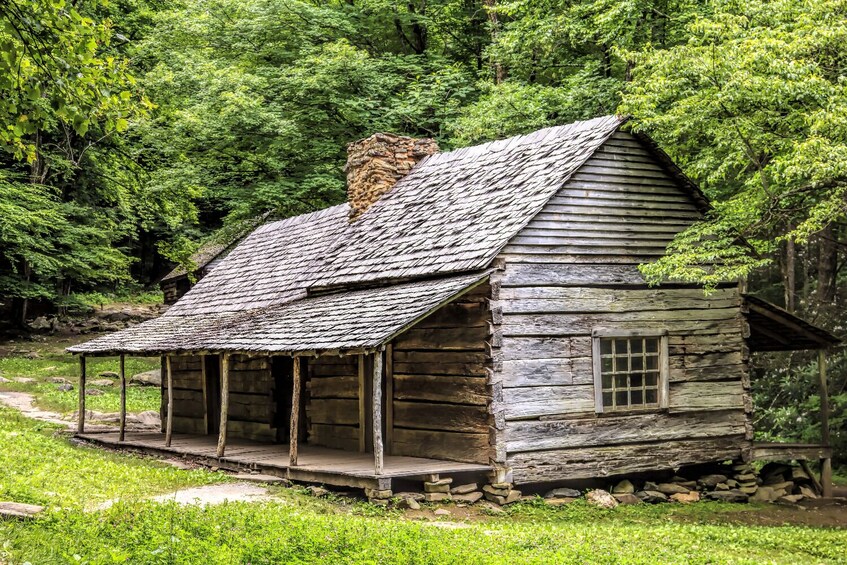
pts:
[630, 372]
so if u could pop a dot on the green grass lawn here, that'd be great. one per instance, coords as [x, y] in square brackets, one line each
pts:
[38, 466]
[52, 362]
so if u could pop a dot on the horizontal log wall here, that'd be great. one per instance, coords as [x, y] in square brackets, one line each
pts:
[251, 402]
[189, 411]
[574, 269]
[333, 406]
[441, 394]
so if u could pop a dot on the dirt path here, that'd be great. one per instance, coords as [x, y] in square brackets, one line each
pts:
[211, 494]
[25, 402]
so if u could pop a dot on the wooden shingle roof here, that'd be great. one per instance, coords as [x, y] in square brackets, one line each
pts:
[351, 320]
[451, 214]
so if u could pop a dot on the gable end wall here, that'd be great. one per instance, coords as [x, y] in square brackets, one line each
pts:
[574, 268]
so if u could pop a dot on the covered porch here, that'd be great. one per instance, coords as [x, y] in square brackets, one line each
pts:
[292, 391]
[774, 329]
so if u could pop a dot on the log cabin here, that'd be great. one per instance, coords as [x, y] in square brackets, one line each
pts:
[466, 312]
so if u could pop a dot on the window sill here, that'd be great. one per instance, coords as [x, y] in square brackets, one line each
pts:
[634, 412]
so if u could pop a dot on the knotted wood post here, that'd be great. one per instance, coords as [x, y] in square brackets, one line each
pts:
[295, 414]
[122, 371]
[80, 421]
[169, 422]
[377, 412]
[224, 403]
[826, 463]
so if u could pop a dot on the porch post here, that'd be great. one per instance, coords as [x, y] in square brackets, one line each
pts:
[80, 421]
[224, 403]
[169, 422]
[295, 413]
[377, 411]
[122, 371]
[826, 463]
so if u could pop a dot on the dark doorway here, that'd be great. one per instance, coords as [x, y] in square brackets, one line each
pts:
[212, 366]
[282, 371]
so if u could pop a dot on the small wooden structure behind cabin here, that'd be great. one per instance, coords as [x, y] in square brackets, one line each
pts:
[470, 311]
[210, 253]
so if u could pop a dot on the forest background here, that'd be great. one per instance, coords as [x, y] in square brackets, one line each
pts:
[133, 130]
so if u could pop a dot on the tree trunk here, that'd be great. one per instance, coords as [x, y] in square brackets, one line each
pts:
[789, 268]
[827, 265]
[499, 70]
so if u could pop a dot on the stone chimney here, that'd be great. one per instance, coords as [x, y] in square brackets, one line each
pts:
[376, 163]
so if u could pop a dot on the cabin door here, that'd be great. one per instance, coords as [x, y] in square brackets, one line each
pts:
[212, 384]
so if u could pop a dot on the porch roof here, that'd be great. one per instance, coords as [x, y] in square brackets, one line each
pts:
[775, 329]
[343, 321]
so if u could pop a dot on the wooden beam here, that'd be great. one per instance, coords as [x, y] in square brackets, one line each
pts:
[826, 463]
[362, 405]
[122, 372]
[295, 413]
[224, 403]
[80, 421]
[377, 412]
[782, 320]
[204, 386]
[169, 422]
[389, 399]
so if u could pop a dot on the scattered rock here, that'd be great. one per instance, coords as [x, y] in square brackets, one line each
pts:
[749, 489]
[627, 498]
[67, 387]
[18, 511]
[464, 489]
[623, 487]
[146, 419]
[722, 487]
[491, 489]
[558, 501]
[93, 392]
[58, 380]
[148, 378]
[437, 496]
[733, 495]
[650, 486]
[109, 375]
[672, 488]
[317, 491]
[563, 493]
[378, 501]
[436, 487]
[102, 382]
[711, 481]
[686, 497]
[652, 496]
[470, 497]
[25, 380]
[442, 512]
[40, 323]
[378, 494]
[732, 483]
[409, 503]
[790, 498]
[601, 498]
[4, 380]
[513, 496]
[785, 485]
[798, 474]
[416, 496]
[765, 494]
[808, 492]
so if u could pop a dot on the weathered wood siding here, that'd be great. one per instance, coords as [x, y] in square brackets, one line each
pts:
[574, 268]
[333, 406]
[189, 407]
[441, 397]
[250, 398]
[251, 402]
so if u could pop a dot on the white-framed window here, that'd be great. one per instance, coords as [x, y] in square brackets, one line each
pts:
[630, 370]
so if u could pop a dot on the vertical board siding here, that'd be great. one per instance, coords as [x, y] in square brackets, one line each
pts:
[441, 398]
[333, 406]
[573, 269]
[189, 410]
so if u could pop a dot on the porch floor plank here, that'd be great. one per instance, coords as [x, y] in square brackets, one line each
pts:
[348, 467]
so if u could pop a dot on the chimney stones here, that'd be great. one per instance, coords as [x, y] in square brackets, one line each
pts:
[376, 163]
